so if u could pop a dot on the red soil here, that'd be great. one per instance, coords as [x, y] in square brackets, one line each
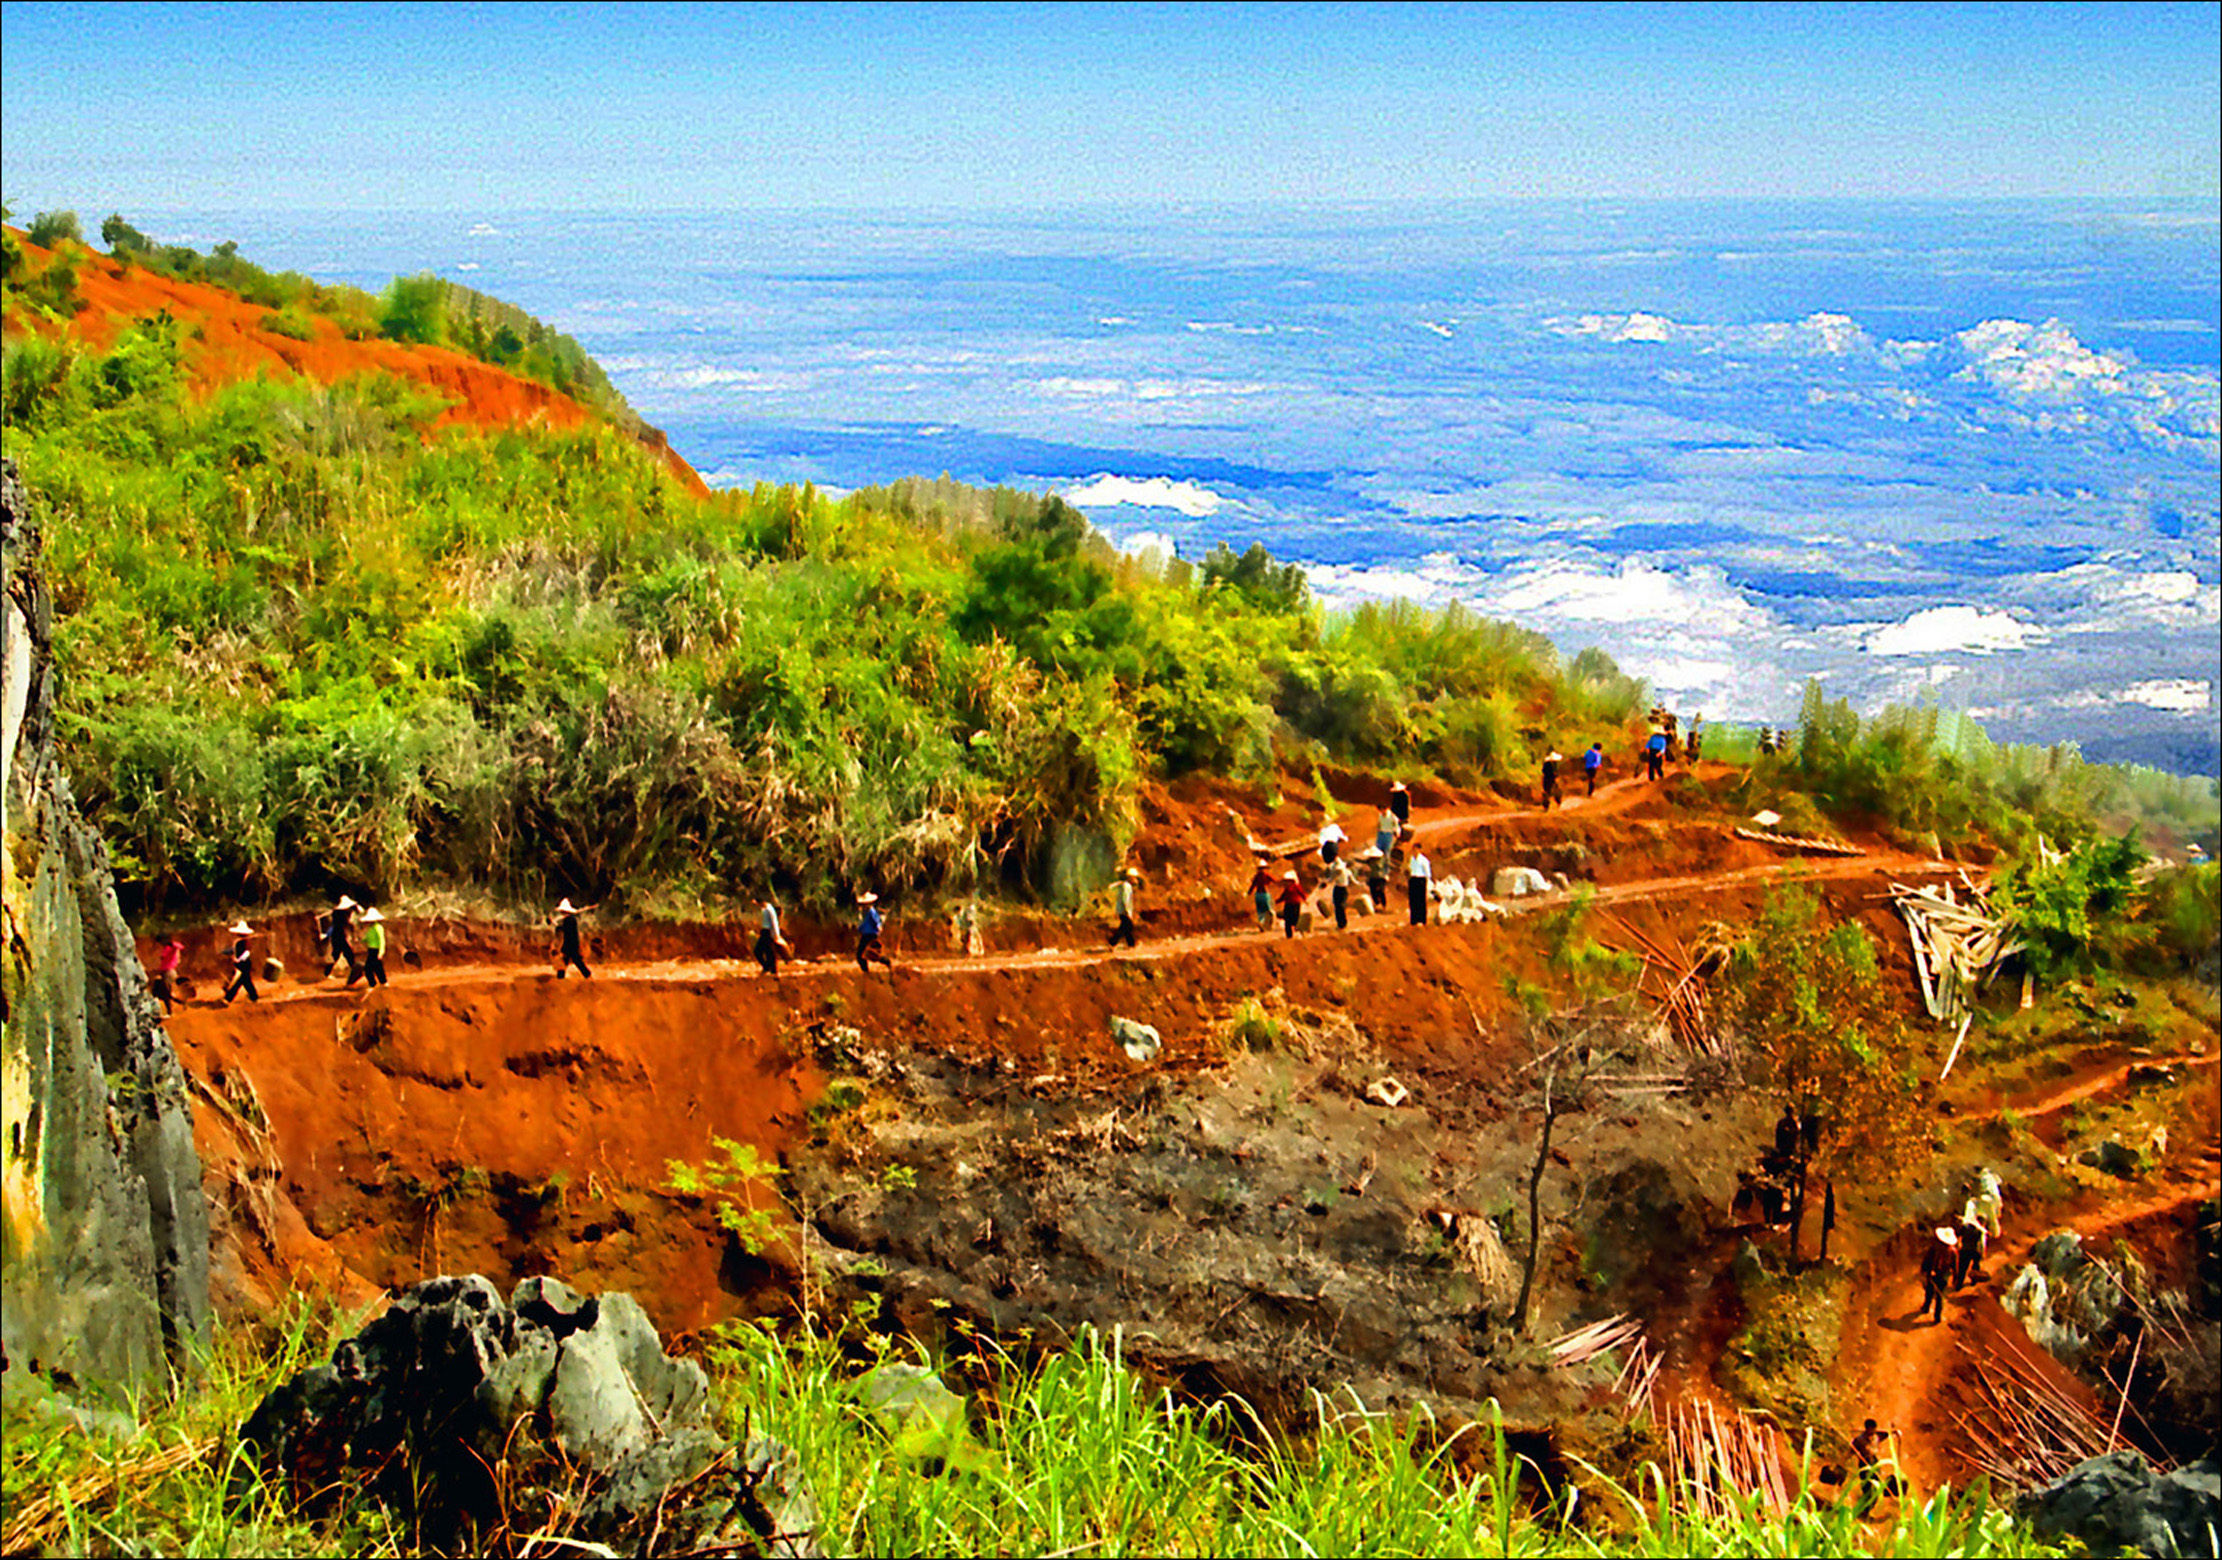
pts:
[225, 341]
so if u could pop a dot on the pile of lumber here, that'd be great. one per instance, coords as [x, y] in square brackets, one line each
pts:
[1799, 842]
[1958, 944]
[1717, 1462]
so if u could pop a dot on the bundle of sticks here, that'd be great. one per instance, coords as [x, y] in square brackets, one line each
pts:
[1637, 1376]
[1586, 1343]
[2021, 1429]
[1716, 1460]
[1675, 978]
[1958, 944]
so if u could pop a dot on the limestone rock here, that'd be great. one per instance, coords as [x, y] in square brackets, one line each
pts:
[2116, 1504]
[104, 1254]
[565, 1395]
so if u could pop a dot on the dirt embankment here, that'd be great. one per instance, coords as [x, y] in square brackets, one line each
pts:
[227, 339]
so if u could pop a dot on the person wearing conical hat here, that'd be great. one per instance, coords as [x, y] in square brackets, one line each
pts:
[573, 952]
[868, 929]
[1551, 761]
[1292, 902]
[374, 950]
[1122, 904]
[1338, 884]
[1938, 1263]
[336, 928]
[242, 963]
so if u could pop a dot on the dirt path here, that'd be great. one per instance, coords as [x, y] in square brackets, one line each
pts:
[1164, 949]
[1906, 1359]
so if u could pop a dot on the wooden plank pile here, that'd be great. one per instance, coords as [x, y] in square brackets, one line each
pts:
[1799, 842]
[1716, 1461]
[1958, 944]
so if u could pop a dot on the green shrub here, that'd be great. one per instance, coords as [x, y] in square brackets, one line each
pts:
[50, 228]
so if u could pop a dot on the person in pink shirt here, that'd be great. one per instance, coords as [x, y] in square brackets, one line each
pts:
[168, 955]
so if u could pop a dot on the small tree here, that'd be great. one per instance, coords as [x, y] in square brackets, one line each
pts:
[49, 228]
[122, 238]
[414, 309]
[1571, 1054]
[1811, 1010]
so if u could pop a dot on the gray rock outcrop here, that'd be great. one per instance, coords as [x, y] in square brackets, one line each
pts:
[103, 1229]
[2116, 1504]
[556, 1413]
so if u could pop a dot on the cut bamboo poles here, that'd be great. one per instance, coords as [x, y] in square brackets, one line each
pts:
[1675, 979]
[1585, 1343]
[1799, 842]
[1717, 1461]
[2022, 1430]
[1958, 946]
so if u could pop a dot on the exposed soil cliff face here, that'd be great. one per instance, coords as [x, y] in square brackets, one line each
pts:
[104, 1238]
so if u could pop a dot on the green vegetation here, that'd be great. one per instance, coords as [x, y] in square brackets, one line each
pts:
[1069, 1454]
[1925, 770]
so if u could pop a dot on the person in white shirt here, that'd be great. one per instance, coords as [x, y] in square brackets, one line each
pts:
[1122, 900]
[1421, 875]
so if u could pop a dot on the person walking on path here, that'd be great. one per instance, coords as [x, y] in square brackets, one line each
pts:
[242, 964]
[868, 928]
[1551, 761]
[1973, 1238]
[1592, 761]
[374, 950]
[1292, 902]
[573, 951]
[336, 935]
[1938, 1264]
[1654, 756]
[1122, 901]
[1261, 895]
[1377, 877]
[1386, 828]
[1696, 739]
[1338, 880]
[1419, 878]
[769, 943]
[1331, 840]
[169, 954]
[1400, 803]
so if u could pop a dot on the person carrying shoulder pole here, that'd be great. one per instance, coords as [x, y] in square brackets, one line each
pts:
[1419, 878]
[769, 943]
[336, 935]
[1551, 761]
[1377, 877]
[1339, 879]
[1400, 803]
[1654, 755]
[374, 950]
[1386, 828]
[573, 951]
[1331, 840]
[242, 964]
[868, 929]
[1122, 901]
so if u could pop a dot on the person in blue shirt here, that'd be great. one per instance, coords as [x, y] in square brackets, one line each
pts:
[868, 935]
[1654, 756]
[1592, 761]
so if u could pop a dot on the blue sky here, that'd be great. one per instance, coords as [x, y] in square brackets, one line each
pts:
[470, 107]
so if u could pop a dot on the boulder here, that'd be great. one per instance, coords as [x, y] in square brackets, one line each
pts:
[556, 1412]
[2112, 1158]
[2116, 1504]
[1513, 882]
[1141, 1042]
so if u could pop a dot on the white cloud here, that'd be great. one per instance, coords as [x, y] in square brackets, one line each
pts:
[484, 230]
[2037, 361]
[1106, 491]
[1637, 326]
[2183, 695]
[1945, 630]
[1141, 544]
